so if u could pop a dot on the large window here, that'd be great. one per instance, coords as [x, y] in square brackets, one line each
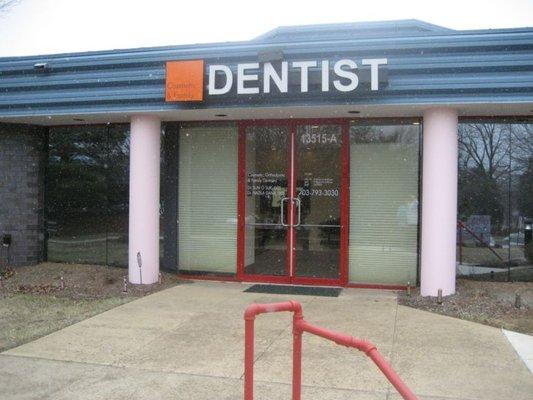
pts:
[384, 182]
[208, 199]
[495, 200]
[87, 194]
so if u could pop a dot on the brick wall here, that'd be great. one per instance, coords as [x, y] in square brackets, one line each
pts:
[22, 162]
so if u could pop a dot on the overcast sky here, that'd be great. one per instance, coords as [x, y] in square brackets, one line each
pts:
[55, 26]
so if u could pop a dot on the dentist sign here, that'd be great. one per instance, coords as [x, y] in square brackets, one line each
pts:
[185, 80]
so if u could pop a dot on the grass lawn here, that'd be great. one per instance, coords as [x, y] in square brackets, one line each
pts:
[25, 317]
[32, 303]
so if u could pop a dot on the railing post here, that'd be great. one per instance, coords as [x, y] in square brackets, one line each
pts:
[249, 358]
[296, 357]
[298, 328]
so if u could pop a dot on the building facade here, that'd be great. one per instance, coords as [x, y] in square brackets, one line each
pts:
[321, 155]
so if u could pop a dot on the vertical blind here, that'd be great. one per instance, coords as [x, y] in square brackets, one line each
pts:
[208, 198]
[383, 204]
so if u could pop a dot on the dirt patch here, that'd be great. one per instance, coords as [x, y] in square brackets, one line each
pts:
[490, 303]
[79, 281]
[37, 300]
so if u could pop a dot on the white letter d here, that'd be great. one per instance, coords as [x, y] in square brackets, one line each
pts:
[212, 74]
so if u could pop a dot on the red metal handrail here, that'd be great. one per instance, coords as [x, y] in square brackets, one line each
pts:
[464, 226]
[298, 328]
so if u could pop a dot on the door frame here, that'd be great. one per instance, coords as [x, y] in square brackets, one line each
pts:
[292, 125]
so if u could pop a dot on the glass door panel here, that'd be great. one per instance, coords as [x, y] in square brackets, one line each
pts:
[267, 206]
[318, 192]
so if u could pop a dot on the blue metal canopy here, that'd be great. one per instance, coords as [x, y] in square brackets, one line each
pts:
[427, 64]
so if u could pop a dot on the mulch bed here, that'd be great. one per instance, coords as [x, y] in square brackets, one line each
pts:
[491, 303]
[77, 281]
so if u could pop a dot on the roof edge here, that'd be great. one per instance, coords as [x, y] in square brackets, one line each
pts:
[388, 25]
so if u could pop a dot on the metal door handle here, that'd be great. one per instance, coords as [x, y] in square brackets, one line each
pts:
[299, 205]
[282, 218]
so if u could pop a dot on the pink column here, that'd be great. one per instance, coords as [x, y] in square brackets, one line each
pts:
[439, 202]
[145, 140]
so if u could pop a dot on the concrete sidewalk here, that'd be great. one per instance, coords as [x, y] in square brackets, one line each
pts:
[187, 343]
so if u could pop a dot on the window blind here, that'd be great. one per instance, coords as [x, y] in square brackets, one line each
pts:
[383, 204]
[208, 199]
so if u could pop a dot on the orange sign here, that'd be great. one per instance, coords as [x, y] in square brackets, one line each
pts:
[185, 81]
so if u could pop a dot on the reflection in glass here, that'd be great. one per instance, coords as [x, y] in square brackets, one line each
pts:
[118, 194]
[318, 188]
[87, 194]
[483, 207]
[520, 239]
[266, 189]
[383, 203]
[494, 199]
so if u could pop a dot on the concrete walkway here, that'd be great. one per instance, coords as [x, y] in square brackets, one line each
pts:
[523, 345]
[187, 343]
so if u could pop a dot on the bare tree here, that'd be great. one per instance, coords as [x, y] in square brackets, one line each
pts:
[485, 148]
[522, 141]
[496, 170]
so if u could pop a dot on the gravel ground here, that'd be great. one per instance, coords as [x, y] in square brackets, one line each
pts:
[491, 303]
[33, 303]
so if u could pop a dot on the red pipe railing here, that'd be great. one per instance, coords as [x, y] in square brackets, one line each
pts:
[299, 327]
[464, 226]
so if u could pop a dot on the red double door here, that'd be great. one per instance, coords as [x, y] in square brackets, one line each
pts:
[293, 202]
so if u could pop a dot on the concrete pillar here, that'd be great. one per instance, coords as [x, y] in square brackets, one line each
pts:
[145, 143]
[439, 202]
